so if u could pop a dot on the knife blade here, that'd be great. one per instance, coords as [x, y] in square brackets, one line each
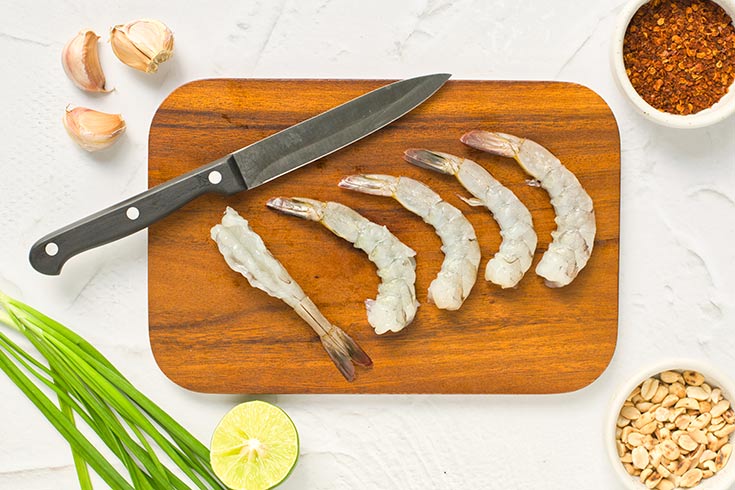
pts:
[244, 169]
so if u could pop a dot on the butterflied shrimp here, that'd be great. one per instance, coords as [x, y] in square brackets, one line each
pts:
[245, 252]
[459, 243]
[574, 236]
[395, 305]
[515, 255]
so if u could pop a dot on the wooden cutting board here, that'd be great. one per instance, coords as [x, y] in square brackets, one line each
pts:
[211, 332]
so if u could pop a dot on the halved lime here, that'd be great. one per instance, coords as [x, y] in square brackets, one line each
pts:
[254, 447]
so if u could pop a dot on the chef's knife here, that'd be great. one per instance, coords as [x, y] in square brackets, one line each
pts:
[241, 170]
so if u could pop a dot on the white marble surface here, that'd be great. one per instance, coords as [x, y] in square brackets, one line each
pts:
[677, 264]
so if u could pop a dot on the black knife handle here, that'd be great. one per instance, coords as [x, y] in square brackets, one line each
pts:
[50, 253]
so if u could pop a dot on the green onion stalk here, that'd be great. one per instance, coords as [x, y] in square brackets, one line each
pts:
[144, 439]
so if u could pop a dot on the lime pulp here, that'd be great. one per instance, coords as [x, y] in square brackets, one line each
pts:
[254, 447]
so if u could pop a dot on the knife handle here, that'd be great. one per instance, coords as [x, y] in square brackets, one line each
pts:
[50, 253]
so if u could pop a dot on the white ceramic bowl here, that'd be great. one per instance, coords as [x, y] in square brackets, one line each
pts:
[724, 108]
[722, 480]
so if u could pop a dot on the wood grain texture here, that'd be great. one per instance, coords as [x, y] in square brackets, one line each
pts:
[211, 332]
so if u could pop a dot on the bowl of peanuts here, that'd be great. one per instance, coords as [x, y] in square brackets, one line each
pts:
[674, 60]
[671, 427]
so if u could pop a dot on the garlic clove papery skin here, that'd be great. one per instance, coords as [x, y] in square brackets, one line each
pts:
[126, 52]
[81, 62]
[142, 44]
[93, 130]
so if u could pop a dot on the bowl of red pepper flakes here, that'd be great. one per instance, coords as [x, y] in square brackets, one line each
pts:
[675, 60]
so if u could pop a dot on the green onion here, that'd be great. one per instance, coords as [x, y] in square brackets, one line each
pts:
[156, 451]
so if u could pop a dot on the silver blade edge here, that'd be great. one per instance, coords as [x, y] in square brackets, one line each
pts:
[336, 128]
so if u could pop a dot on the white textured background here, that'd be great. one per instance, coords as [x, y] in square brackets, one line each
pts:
[677, 263]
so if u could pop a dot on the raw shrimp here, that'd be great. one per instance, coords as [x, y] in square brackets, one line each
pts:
[459, 243]
[395, 305]
[516, 251]
[245, 252]
[574, 236]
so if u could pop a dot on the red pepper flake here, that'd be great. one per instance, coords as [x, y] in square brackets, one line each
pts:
[680, 54]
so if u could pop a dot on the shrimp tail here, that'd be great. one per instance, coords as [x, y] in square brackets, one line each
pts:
[496, 143]
[431, 160]
[297, 206]
[344, 351]
[356, 353]
[377, 185]
[339, 357]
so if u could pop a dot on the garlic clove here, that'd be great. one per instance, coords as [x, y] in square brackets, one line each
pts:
[142, 44]
[93, 130]
[81, 62]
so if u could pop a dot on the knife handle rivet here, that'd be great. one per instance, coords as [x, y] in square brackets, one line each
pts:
[51, 249]
[215, 177]
[132, 213]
